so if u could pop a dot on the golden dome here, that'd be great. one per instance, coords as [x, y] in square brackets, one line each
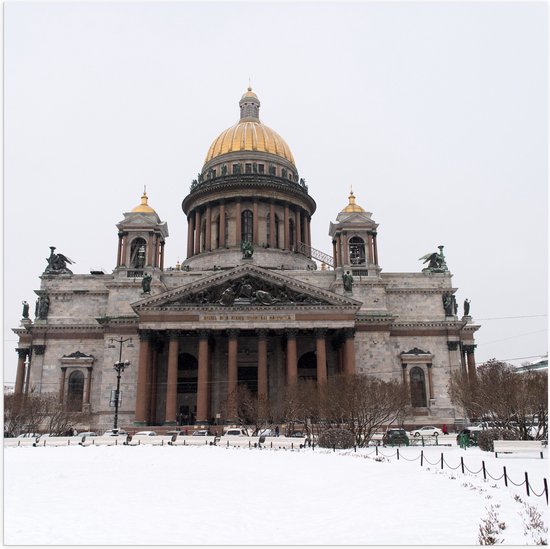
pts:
[352, 206]
[249, 136]
[143, 207]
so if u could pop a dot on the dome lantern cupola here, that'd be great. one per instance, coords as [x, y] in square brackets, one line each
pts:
[250, 105]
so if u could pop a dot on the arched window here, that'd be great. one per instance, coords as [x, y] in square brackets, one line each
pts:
[418, 387]
[75, 393]
[357, 251]
[246, 226]
[137, 253]
[291, 234]
[307, 366]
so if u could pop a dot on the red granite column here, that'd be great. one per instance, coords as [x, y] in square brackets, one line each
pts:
[334, 254]
[262, 363]
[272, 238]
[149, 250]
[232, 369]
[222, 225]
[190, 235]
[62, 384]
[202, 381]
[20, 375]
[172, 381]
[307, 231]
[142, 403]
[286, 228]
[370, 248]
[162, 255]
[124, 250]
[321, 352]
[298, 238]
[238, 221]
[349, 345]
[119, 251]
[291, 358]
[208, 243]
[197, 232]
[345, 250]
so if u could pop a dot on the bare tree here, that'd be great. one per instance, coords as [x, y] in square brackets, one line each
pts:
[23, 413]
[508, 398]
[248, 409]
[363, 404]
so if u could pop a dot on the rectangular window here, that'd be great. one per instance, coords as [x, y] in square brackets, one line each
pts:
[260, 168]
[248, 168]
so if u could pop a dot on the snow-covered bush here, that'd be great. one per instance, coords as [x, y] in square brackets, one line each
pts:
[336, 438]
[486, 438]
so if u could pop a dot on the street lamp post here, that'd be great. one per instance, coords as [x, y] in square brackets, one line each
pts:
[119, 367]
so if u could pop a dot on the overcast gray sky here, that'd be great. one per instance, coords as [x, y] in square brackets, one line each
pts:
[436, 113]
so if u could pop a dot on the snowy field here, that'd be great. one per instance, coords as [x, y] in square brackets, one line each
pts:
[147, 495]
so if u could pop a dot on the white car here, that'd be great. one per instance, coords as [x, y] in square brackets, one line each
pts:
[87, 434]
[199, 433]
[115, 433]
[146, 434]
[235, 432]
[427, 431]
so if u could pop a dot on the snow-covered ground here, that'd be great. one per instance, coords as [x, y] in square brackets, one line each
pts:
[146, 495]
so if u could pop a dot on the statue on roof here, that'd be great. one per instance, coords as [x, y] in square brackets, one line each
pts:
[146, 283]
[436, 261]
[57, 263]
[247, 249]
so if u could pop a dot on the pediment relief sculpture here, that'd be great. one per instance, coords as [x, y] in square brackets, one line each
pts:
[247, 291]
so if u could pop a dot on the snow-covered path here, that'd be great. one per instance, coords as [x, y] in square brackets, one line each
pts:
[209, 495]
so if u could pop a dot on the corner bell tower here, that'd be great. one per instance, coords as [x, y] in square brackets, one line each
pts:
[354, 240]
[141, 238]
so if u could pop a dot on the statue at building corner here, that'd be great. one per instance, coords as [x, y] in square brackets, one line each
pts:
[57, 263]
[25, 309]
[347, 279]
[437, 263]
[466, 307]
[146, 283]
[42, 307]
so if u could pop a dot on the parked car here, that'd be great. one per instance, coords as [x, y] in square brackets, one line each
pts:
[115, 433]
[297, 434]
[146, 434]
[266, 433]
[200, 433]
[394, 437]
[235, 432]
[427, 431]
[29, 435]
[87, 434]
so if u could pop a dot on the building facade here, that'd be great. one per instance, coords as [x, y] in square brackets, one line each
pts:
[253, 303]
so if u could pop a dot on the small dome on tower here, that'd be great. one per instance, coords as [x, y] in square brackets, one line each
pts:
[249, 93]
[352, 206]
[143, 207]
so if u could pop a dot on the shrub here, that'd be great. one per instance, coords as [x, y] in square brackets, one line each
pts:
[336, 438]
[486, 437]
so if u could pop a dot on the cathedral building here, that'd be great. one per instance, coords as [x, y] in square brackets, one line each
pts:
[253, 303]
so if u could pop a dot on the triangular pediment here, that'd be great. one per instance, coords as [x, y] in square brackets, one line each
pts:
[246, 286]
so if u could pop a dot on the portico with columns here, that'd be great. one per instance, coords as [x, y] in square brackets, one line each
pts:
[265, 336]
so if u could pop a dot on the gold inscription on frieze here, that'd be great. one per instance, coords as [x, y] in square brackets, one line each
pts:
[245, 318]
